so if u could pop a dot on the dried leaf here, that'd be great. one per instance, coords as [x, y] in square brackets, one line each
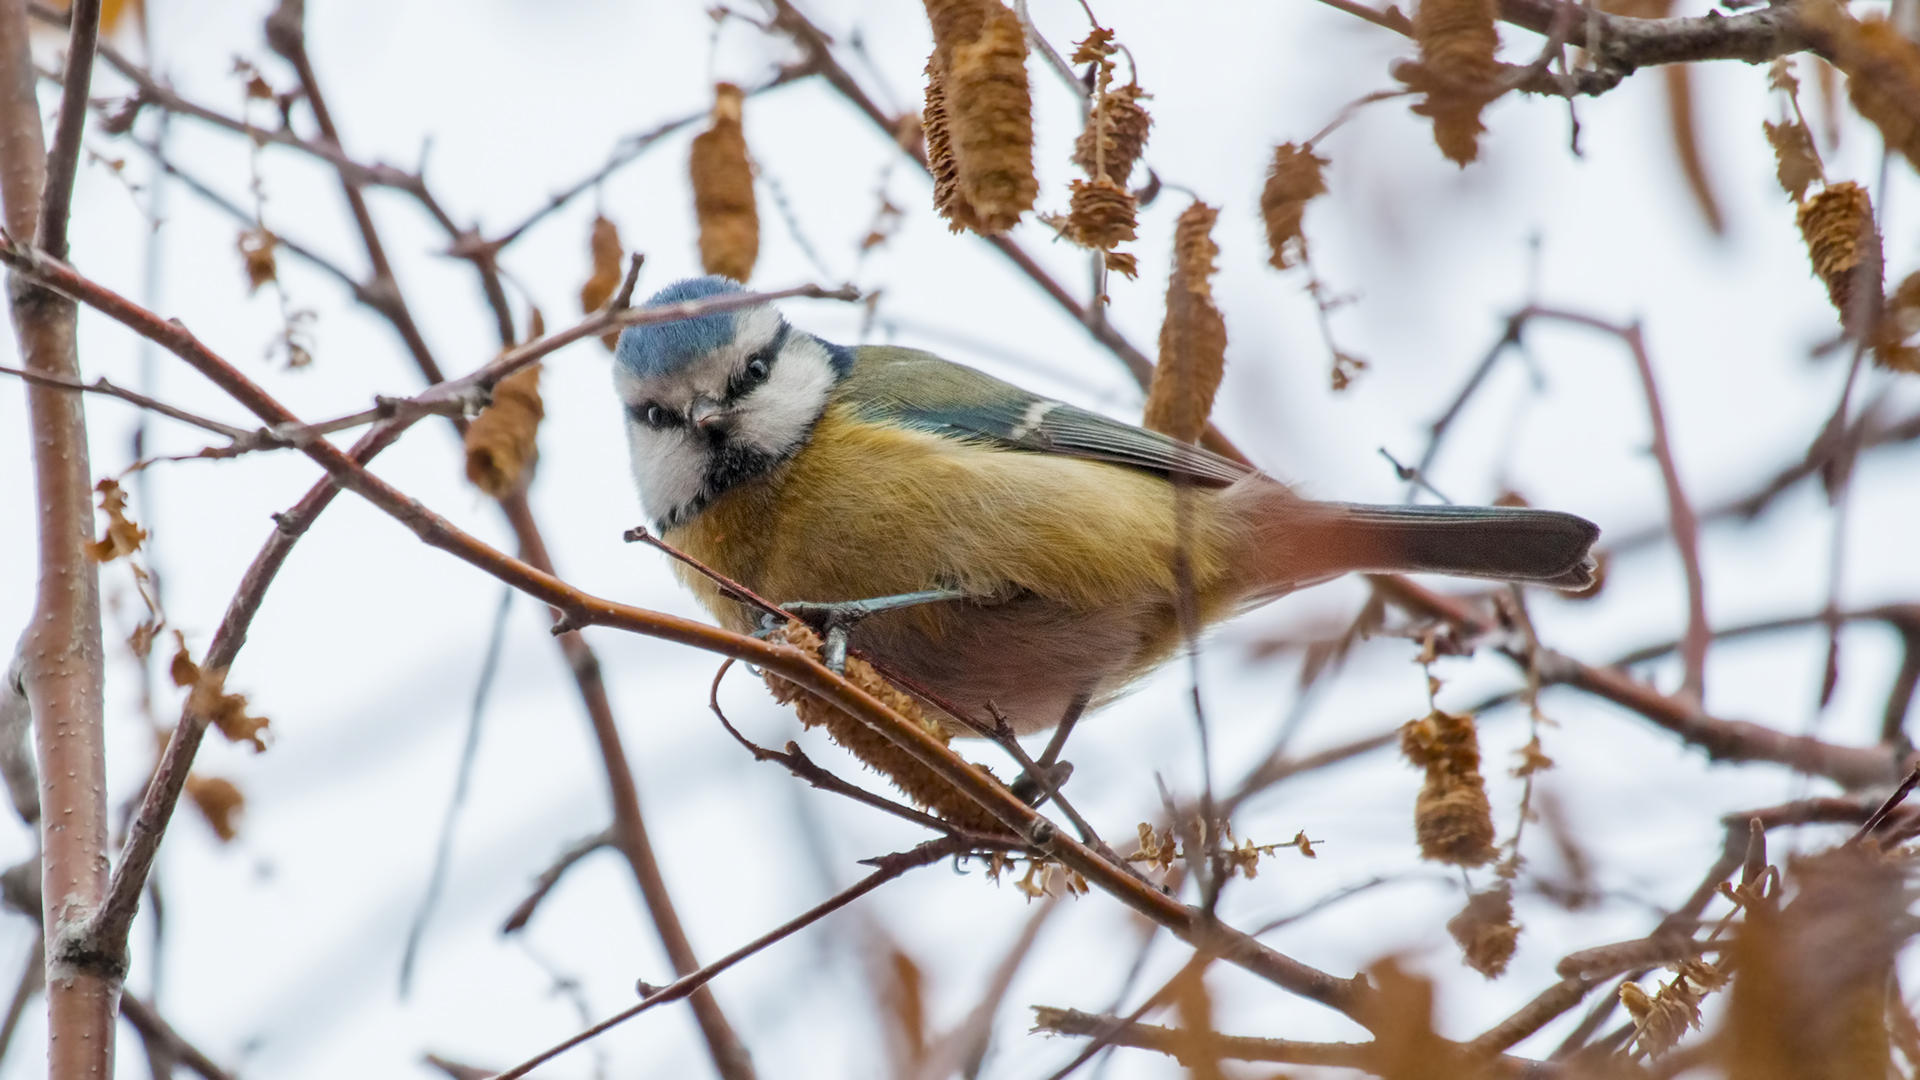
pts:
[1532, 759]
[1457, 71]
[1485, 930]
[256, 247]
[978, 87]
[1795, 162]
[502, 441]
[723, 191]
[208, 699]
[604, 243]
[1838, 227]
[123, 536]
[219, 801]
[1193, 339]
[918, 782]
[1293, 179]
[1780, 76]
[1122, 263]
[1452, 817]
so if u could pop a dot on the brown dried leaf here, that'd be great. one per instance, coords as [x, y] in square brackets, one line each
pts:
[978, 82]
[918, 782]
[1795, 162]
[1452, 816]
[723, 191]
[1094, 48]
[1486, 931]
[1293, 179]
[123, 536]
[604, 243]
[208, 699]
[219, 801]
[1193, 339]
[1457, 71]
[1837, 225]
[503, 439]
[256, 247]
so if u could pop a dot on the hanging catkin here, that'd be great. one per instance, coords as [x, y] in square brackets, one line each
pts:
[723, 190]
[977, 86]
[1457, 70]
[1193, 339]
[1292, 180]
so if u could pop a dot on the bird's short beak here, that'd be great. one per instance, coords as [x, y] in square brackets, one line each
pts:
[706, 414]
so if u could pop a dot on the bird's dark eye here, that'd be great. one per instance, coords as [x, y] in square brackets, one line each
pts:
[652, 414]
[757, 368]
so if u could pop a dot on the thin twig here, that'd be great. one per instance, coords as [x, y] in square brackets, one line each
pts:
[153, 1027]
[579, 849]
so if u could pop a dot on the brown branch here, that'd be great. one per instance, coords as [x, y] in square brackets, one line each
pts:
[102, 386]
[1119, 1031]
[1625, 44]
[155, 1029]
[890, 867]
[63, 672]
[579, 849]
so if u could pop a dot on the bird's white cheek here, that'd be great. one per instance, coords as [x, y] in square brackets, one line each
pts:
[776, 417]
[668, 467]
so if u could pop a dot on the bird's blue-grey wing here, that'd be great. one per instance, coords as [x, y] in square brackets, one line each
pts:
[920, 390]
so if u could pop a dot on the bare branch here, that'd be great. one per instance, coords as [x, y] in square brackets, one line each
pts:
[579, 849]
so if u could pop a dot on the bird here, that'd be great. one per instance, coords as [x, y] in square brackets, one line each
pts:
[1017, 559]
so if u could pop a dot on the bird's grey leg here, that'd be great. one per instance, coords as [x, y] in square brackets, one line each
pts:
[1029, 787]
[836, 619]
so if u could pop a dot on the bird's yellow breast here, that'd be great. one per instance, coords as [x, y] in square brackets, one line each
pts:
[867, 510]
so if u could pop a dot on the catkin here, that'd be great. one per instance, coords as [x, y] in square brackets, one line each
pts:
[1102, 214]
[1124, 123]
[1485, 930]
[1452, 817]
[1457, 71]
[1883, 73]
[1837, 225]
[502, 440]
[914, 779]
[1193, 339]
[723, 190]
[1293, 179]
[940, 159]
[604, 243]
[979, 76]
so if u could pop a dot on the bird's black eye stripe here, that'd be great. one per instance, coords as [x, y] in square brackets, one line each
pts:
[758, 367]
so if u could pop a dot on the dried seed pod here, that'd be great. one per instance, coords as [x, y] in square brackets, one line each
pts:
[1101, 216]
[1457, 71]
[940, 159]
[1452, 817]
[502, 440]
[604, 243]
[918, 782]
[1485, 930]
[1124, 123]
[1193, 339]
[1795, 161]
[723, 190]
[1837, 225]
[979, 68]
[1293, 179]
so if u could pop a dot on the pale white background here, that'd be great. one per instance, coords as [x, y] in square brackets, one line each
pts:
[281, 950]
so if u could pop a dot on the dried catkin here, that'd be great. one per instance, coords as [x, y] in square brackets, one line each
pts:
[723, 190]
[1452, 817]
[1293, 179]
[1124, 124]
[1838, 227]
[1485, 930]
[604, 243]
[914, 779]
[979, 73]
[1101, 215]
[940, 160]
[501, 441]
[1883, 73]
[1193, 339]
[1457, 70]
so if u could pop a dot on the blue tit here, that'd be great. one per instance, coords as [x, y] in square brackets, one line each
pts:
[1058, 541]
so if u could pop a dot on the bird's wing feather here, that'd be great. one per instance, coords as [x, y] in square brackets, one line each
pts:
[920, 390]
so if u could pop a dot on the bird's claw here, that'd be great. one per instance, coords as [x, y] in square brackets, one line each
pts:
[1028, 789]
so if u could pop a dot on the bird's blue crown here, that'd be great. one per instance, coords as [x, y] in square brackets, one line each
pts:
[660, 348]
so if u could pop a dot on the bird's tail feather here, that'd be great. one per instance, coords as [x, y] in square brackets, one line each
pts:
[1309, 541]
